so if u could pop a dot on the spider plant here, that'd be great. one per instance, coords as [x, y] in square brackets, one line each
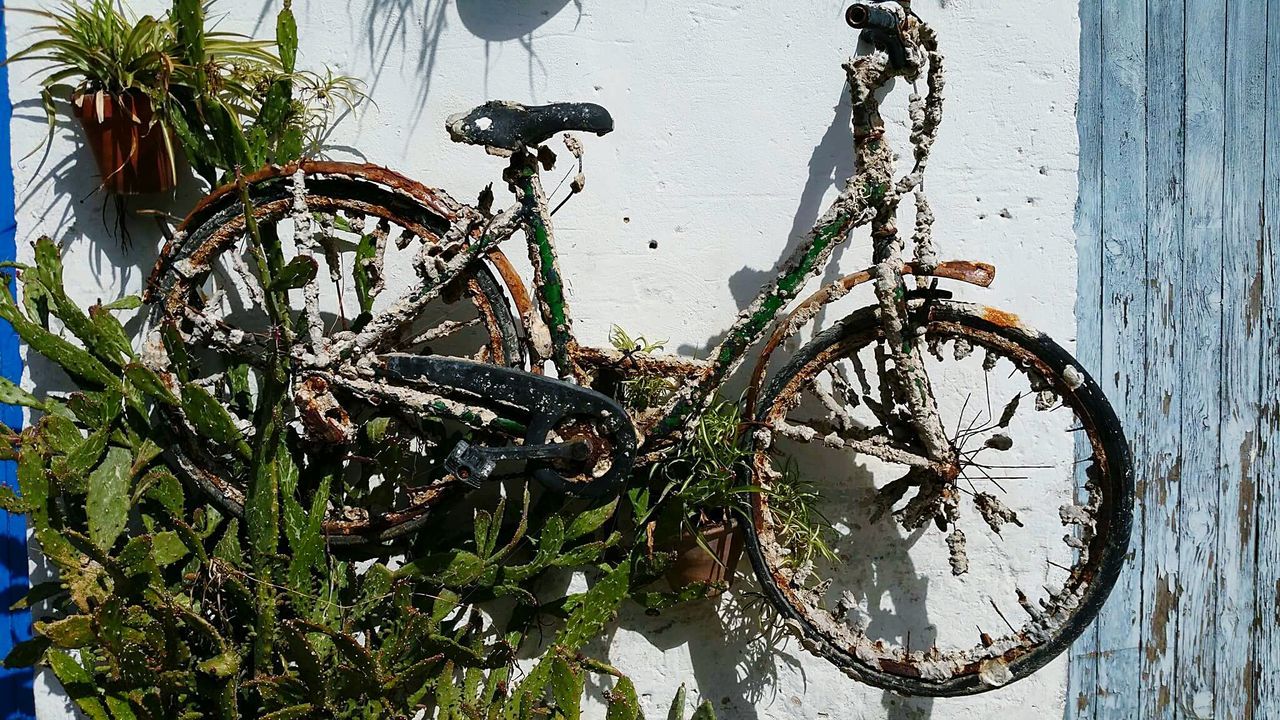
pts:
[702, 478]
[798, 523]
[103, 50]
[644, 392]
[230, 100]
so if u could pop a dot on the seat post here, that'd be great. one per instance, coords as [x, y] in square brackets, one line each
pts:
[549, 286]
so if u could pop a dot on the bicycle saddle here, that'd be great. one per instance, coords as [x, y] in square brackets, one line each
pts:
[511, 126]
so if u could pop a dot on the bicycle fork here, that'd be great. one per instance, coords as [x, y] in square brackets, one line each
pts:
[906, 347]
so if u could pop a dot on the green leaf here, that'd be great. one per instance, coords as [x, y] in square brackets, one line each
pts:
[77, 463]
[591, 520]
[364, 272]
[212, 420]
[486, 532]
[75, 361]
[69, 633]
[228, 548]
[146, 380]
[294, 712]
[360, 659]
[78, 683]
[705, 711]
[38, 594]
[78, 572]
[624, 703]
[595, 608]
[33, 483]
[169, 548]
[451, 569]
[11, 503]
[11, 394]
[27, 653]
[567, 685]
[224, 665]
[300, 271]
[110, 339]
[128, 302]
[107, 505]
[297, 649]
[448, 696]
[287, 37]
[677, 705]
[162, 486]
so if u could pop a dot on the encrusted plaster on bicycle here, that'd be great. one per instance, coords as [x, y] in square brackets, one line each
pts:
[450, 364]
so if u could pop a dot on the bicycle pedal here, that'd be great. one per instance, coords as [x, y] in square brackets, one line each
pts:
[469, 464]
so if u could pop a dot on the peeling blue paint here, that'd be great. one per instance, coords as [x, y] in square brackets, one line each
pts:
[16, 699]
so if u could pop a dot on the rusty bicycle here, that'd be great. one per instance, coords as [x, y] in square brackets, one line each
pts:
[995, 434]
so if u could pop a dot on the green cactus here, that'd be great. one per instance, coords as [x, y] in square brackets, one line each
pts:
[177, 611]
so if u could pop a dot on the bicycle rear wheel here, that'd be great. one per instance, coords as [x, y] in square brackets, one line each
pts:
[380, 468]
[846, 550]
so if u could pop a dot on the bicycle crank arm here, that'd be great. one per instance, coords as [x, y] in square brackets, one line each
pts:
[473, 465]
[600, 424]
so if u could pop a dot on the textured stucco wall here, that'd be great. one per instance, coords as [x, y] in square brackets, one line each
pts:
[732, 132]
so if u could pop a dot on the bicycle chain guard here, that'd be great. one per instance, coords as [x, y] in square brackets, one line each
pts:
[549, 403]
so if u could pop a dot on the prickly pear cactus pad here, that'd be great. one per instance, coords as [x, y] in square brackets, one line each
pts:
[163, 607]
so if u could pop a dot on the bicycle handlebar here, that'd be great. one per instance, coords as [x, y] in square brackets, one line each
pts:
[882, 23]
[888, 15]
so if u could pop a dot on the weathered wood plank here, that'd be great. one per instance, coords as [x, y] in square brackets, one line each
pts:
[1161, 399]
[1266, 649]
[1124, 299]
[1241, 354]
[1083, 674]
[1201, 329]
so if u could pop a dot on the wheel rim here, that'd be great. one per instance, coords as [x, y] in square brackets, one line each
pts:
[384, 477]
[925, 651]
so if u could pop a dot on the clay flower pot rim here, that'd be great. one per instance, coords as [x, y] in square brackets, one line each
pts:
[78, 97]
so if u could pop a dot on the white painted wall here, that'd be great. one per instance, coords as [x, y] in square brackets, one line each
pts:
[731, 135]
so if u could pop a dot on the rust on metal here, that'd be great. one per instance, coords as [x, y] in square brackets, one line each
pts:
[990, 661]
[322, 416]
[515, 284]
[974, 273]
[1002, 318]
[436, 201]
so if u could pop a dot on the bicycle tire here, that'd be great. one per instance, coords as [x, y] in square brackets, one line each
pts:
[212, 229]
[1114, 520]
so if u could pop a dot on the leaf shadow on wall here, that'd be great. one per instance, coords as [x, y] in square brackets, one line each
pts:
[391, 26]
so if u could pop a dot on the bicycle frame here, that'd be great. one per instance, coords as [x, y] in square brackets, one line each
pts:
[871, 197]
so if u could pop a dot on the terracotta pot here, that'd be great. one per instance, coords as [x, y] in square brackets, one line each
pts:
[694, 565]
[131, 152]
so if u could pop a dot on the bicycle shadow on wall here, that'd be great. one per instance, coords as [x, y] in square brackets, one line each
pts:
[886, 580]
[830, 165]
[389, 23]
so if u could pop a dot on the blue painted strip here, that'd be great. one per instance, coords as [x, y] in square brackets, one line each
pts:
[16, 699]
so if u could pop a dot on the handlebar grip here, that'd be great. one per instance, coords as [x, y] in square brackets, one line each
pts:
[882, 15]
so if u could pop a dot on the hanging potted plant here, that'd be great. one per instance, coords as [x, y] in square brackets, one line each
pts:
[116, 71]
[127, 79]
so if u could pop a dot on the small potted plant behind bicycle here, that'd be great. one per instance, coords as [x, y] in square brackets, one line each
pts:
[704, 501]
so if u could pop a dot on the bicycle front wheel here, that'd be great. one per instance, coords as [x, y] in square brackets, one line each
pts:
[926, 582]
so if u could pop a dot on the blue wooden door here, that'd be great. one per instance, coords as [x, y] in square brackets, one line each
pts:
[1179, 310]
